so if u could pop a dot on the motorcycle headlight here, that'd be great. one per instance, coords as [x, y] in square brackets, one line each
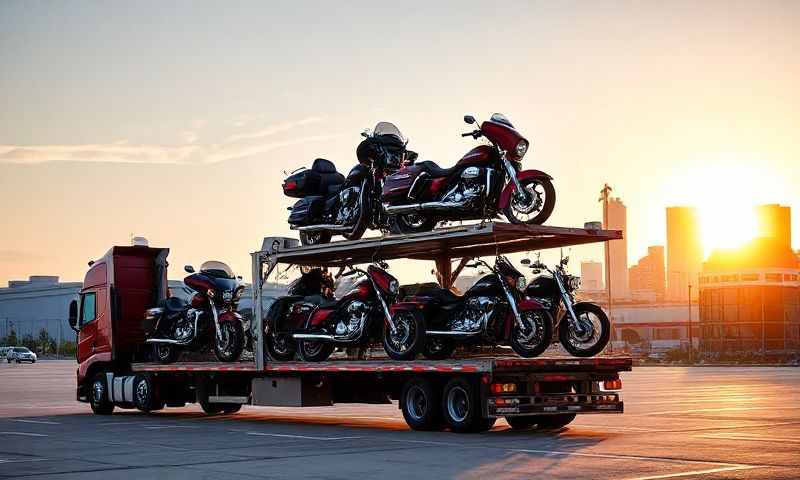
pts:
[575, 283]
[521, 283]
[521, 149]
[394, 287]
[227, 296]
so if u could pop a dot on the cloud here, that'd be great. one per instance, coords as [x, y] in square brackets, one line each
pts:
[190, 152]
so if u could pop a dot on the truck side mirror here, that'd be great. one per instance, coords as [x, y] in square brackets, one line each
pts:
[188, 269]
[73, 315]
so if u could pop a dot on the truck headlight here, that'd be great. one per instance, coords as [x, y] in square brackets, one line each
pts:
[521, 149]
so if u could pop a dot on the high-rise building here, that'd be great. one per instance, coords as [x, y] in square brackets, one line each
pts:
[646, 279]
[775, 221]
[591, 276]
[618, 249]
[684, 252]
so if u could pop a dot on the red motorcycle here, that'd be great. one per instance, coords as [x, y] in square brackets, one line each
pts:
[486, 181]
[312, 323]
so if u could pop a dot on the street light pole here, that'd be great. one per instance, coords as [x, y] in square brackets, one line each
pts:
[689, 330]
[604, 198]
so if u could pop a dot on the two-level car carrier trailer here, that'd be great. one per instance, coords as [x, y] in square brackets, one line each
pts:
[464, 394]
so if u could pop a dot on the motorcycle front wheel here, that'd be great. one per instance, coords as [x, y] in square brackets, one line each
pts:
[317, 237]
[534, 338]
[280, 347]
[361, 225]
[165, 353]
[229, 347]
[594, 333]
[407, 339]
[538, 205]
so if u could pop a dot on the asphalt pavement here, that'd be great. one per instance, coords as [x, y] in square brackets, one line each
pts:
[680, 423]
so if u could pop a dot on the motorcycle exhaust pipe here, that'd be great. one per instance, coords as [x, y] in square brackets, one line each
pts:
[314, 336]
[163, 340]
[416, 207]
[313, 228]
[450, 333]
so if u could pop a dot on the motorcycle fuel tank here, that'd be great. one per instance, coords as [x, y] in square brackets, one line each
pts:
[487, 286]
[543, 286]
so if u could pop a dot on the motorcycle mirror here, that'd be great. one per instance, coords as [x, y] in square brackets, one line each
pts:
[239, 277]
[188, 269]
[469, 119]
[525, 261]
[383, 265]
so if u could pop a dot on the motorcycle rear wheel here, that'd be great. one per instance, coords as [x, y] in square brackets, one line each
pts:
[315, 238]
[438, 348]
[404, 223]
[311, 351]
[165, 353]
[282, 348]
[233, 338]
[515, 215]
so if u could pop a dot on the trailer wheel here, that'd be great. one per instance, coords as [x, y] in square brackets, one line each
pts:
[145, 397]
[229, 408]
[552, 422]
[461, 407]
[522, 423]
[420, 402]
[98, 396]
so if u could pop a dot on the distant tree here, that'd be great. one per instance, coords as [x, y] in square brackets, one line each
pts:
[68, 348]
[43, 342]
[29, 342]
[11, 340]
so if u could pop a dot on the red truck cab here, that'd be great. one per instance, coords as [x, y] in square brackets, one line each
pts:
[109, 313]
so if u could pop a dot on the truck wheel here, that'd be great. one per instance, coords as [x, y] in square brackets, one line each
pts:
[211, 408]
[145, 397]
[229, 408]
[98, 396]
[522, 423]
[552, 422]
[461, 407]
[419, 402]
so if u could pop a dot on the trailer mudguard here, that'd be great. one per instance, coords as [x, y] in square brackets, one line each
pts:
[505, 196]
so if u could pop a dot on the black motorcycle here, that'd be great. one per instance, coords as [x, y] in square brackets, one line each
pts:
[493, 311]
[583, 327]
[210, 317]
[330, 203]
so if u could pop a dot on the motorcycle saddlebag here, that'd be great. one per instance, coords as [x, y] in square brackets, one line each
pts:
[307, 210]
[320, 179]
[397, 186]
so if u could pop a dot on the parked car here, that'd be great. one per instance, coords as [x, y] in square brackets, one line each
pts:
[4, 351]
[21, 354]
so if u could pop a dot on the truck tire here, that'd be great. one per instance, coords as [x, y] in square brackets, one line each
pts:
[552, 422]
[145, 396]
[98, 396]
[230, 408]
[420, 402]
[461, 407]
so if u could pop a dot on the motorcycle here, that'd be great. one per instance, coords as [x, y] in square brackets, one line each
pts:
[330, 203]
[493, 311]
[583, 328]
[486, 181]
[210, 316]
[311, 323]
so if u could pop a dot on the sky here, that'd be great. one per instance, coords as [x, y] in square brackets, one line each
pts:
[177, 120]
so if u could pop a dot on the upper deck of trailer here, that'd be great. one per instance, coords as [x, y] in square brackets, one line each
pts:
[482, 239]
[608, 364]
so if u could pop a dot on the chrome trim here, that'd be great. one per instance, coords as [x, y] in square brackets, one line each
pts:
[415, 207]
[313, 228]
[451, 333]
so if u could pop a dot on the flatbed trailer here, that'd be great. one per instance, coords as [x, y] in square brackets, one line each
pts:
[543, 391]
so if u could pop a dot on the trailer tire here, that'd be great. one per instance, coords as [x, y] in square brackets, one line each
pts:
[98, 395]
[145, 396]
[230, 408]
[461, 407]
[420, 402]
[552, 422]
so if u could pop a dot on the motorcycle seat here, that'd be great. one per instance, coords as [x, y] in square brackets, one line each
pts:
[173, 305]
[434, 170]
[441, 295]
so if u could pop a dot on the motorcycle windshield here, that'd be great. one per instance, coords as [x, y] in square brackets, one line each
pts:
[500, 118]
[387, 128]
[217, 269]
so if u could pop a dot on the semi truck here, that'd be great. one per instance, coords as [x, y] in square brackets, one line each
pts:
[464, 394]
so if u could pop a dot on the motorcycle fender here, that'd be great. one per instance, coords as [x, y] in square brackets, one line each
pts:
[226, 317]
[505, 196]
[529, 304]
[319, 317]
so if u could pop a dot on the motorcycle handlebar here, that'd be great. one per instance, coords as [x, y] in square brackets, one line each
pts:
[474, 134]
